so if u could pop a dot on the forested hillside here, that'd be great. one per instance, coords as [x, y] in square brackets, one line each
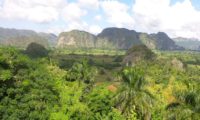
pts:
[99, 87]
[22, 38]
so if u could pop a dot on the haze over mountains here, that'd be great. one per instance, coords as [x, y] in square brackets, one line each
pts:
[109, 38]
[188, 43]
[21, 38]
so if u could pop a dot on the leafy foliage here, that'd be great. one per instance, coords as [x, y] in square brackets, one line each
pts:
[42, 89]
[36, 50]
[26, 90]
[82, 72]
[133, 98]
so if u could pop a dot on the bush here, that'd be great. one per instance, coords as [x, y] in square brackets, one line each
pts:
[36, 50]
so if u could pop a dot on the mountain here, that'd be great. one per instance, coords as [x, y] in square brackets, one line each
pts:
[109, 38]
[115, 38]
[22, 38]
[52, 38]
[164, 42]
[120, 38]
[188, 43]
[76, 39]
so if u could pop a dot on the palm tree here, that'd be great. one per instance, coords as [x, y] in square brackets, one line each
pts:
[133, 96]
[187, 107]
[82, 72]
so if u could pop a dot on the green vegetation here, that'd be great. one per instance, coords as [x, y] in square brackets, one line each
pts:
[138, 53]
[89, 51]
[35, 50]
[22, 38]
[66, 85]
[115, 38]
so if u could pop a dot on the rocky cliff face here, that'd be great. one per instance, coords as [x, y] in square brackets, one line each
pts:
[22, 38]
[159, 41]
[147, 40]
[163, 42]
[121, 38]
[116, 38]
[76, 39]
[109, 38]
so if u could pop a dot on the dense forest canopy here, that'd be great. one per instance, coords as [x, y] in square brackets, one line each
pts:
[61, 86]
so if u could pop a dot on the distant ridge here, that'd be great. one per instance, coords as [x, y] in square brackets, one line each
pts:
[116, 38]
[109, 38]
[188, 43]
[22, 38]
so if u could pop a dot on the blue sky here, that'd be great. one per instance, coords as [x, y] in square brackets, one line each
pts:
[175, 17]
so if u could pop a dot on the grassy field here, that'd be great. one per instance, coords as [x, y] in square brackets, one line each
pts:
[92, 51]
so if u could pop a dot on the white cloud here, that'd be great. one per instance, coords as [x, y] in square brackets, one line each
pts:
[77, 25]
[56, 29]
[72, 12]
[89, 4]
[32, 10]
[42, 14]
[73, 15]
[95, 29]
[117, 13]
[41, 11]
[180, 19]
[98, 17]
[1, 3]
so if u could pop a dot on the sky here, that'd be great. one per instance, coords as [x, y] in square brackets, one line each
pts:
[178, 18]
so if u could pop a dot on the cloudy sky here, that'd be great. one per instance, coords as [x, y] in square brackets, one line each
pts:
[175, 17]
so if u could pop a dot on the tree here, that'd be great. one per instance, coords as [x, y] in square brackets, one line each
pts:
[26, 91]
[82, 72]
[133, 97]
[36, 50]
[186, 107]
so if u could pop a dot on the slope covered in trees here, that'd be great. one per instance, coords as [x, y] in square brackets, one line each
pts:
[22, 38]
[97, 87]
